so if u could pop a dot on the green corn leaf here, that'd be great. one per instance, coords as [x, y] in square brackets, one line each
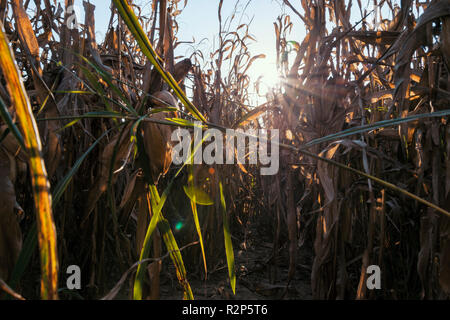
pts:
[175, 255]
[73, 92]
[109, 80]
[145, 253]
[71, 123]
[374, 126]
[198, 196]
[184, 122]
[170, 242]
[12, 127]
[227, 239]
[159, 221]
[93, 81]
[163, 109]
[157, 204]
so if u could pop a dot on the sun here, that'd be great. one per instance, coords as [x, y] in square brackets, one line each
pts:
[265, 76]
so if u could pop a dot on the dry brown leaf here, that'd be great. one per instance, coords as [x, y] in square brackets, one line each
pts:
[407, 45]
[101, 180]
[182, 68]
[10, 144]
[52, 147]
[423, 261]
[157, 137]
[128, 190]
[444, 272]
[445, 36]
[325, 178]
[10, 233]
[135, 188]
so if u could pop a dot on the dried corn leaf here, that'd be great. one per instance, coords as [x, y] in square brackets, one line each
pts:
[157, 137]
[10, 233]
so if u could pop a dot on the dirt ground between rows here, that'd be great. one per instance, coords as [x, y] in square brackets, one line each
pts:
[254, 271]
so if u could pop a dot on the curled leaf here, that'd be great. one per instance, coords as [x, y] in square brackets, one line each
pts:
[198, 196]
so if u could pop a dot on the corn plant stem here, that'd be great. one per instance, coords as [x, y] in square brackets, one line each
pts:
[331, 137]
[39, 179]
[227, 240]
[30, 242]
[157, 217]
[130, 19]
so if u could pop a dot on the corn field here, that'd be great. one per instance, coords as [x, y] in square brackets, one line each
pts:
[87, 179]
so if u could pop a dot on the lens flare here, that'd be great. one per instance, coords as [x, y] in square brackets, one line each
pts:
[179, 225]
